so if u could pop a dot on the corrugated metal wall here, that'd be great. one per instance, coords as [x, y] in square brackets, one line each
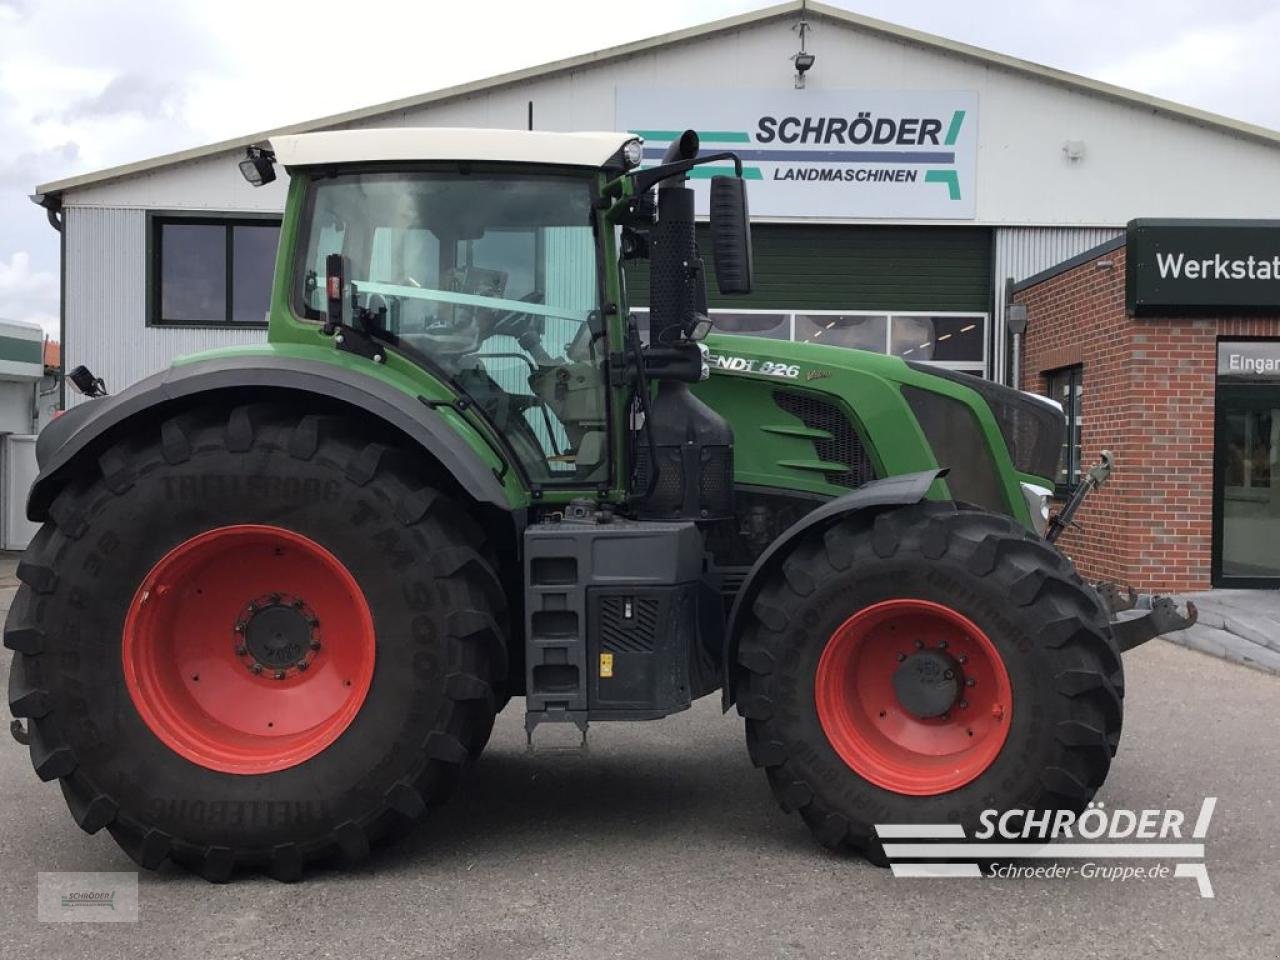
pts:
[106, 302]
[1023, 251]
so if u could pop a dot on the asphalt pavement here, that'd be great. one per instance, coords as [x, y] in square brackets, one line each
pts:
[661, 840]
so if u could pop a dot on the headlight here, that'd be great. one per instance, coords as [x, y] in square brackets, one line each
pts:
[1037, 498]
[633, 152]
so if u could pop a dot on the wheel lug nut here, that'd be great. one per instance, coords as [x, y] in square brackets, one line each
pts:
[919, 644]
[256, 668]
[315, 644]
[962, 658]
[942, 644]
[303, 665]
[964, 704]
[241, 649]
[252, 608]
[239, 628]
[948, 674]
[297, 604]
[970, 682]
[279, 674]
[901, 657]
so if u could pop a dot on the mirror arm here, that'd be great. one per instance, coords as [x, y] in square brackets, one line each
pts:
[644, 180]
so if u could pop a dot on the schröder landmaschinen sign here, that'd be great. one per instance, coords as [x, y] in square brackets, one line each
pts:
[884, 154]
[1208, 267]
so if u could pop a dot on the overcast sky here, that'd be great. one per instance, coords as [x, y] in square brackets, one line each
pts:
[86, 84]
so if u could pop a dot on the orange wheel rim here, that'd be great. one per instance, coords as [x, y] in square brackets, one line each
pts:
[913, 697]
[248, 649]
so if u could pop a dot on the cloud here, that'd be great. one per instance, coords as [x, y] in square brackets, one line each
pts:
[27, 294]
[129, 93]
[27, 169]
[1235, 71]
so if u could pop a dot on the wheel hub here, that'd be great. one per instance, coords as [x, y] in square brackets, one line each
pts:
[928, 683]
[277, 633]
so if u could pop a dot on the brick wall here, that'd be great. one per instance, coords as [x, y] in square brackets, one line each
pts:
[1148, 397]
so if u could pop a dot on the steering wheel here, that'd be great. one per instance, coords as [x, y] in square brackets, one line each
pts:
[512, 323]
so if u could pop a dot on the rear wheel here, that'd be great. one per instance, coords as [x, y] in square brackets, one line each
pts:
[925, 664]
[255, 639]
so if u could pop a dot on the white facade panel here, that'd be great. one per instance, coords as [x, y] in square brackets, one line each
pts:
[212, 183]
[1021, 252]
[106, 303]
[1135, 162]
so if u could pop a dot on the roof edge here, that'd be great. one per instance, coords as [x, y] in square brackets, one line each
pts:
[920, 38]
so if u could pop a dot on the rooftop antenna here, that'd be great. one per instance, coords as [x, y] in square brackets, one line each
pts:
[803, 60]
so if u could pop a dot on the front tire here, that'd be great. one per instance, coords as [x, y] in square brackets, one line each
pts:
[255, 638]
[922, 665]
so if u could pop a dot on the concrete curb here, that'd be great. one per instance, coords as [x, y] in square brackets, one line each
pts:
[1227, 646]
[1240, 626]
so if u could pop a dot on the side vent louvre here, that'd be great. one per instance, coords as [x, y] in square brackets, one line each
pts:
[844, 447]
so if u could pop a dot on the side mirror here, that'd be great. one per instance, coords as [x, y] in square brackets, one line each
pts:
[731, 235]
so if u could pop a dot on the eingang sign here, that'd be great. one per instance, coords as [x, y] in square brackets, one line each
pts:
[1256, 360]
[877, 154]
[1206, 267]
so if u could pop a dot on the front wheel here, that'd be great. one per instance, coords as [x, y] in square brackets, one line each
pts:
[925, 664]
[255, 638]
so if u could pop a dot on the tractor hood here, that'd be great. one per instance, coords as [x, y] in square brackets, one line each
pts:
[821, 419]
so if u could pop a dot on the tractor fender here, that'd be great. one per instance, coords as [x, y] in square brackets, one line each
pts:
[902, 490]
[85, 429]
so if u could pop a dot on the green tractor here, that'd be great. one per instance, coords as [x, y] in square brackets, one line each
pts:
[281, 591]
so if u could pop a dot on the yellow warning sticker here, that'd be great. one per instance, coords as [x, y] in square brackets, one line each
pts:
[606, 665]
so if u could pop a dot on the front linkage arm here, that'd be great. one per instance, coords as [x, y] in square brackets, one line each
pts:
[1094, 479]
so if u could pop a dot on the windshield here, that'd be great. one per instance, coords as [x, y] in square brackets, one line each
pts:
[492, 278]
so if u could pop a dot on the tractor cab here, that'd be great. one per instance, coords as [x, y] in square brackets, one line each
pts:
[489, 278]
[492, 262]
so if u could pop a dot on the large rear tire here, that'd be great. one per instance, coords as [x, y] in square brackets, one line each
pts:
[925, 664]
[255, 638]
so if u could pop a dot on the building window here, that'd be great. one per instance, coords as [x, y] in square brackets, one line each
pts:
[211, 271]
[957, 341]
[1067, 387]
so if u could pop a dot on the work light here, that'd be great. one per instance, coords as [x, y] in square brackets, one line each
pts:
[633, 152]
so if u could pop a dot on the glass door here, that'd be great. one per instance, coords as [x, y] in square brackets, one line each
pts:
[1246, 535]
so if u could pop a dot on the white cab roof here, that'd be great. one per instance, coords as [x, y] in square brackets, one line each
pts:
[447, 143]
